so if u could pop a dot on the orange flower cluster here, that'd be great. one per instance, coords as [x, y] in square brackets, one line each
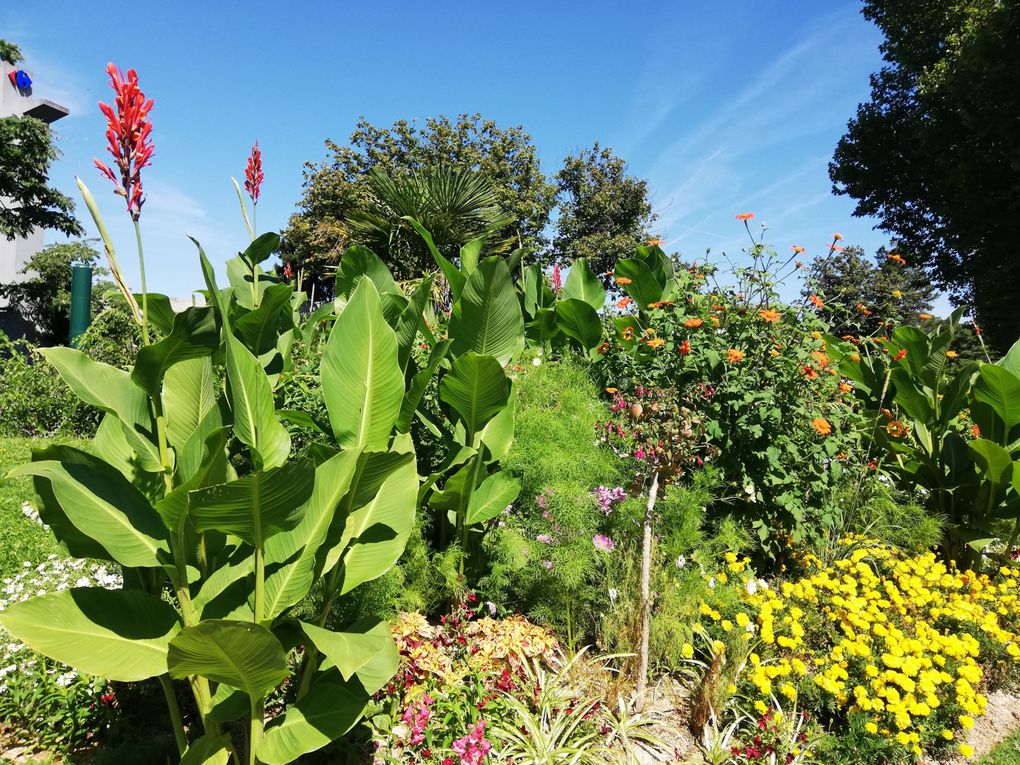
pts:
[822, 426]
[770, 315]
[816, 301]
[745, 216]
[734, 355]
[692, 323]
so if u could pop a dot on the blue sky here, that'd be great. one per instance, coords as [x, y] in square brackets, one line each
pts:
[724, 107]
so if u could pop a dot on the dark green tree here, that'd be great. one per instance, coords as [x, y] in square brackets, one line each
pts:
[44, 298]
[935, 153]
[604, 213]
[340, 187]
[866, 296]
[10, 53]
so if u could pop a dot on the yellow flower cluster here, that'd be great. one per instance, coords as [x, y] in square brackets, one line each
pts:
[900, 640]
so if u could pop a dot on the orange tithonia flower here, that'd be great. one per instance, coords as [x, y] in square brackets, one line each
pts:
[623, 280]
[845, 387]
[951, 354]
[656, 342]
[774, 353]
[656, 242]
[734, 355]
[899, 356]
[925, 316]
[837, 237]
[603, 347]
[714, 320]
[660, 304]
[821, 425]
[628, 333]
[897, 429]
[896, 258]
[863, 310]
[816, 301]
[809, 372]
[835, 248]
[770, 315]
[797, 249]
[623, 302]
[684, 347]
[820, 358]
[692, 323]
[745, 216]
[975, 430]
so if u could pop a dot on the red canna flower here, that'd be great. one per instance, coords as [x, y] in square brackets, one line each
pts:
[128, 131]
[253, 174]
[899, 356]
[745, 216]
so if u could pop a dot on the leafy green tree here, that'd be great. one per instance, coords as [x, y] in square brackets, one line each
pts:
[933, 154]
[865, 297]
[340, 187]
[44, 299]
[10, 53]
[604, 213]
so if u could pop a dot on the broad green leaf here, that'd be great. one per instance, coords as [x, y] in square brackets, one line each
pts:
[578, 320]
[357, 263]
[542, 328]
[329, 709]
[454, 277]
[492, 496]
[583, 284]
[995, 463]
[361, 377]
[116, 634]
[262, 248]
[487, 318]
[641, 284]
[410, 320]
[418, 385]
[290, 556]
[189, 394]
[355, 646]
[194, 336]
[476, 388]
[257, 506]
[914, 402]
[208, 750]
[498, 433]
[470, 253]
[251, 401]
[258, 329]
[161, 313]
[1000, 389]
[242, 655]
[103, 504]
[1011, 361]
[214, 468]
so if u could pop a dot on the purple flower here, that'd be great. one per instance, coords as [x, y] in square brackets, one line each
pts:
[639, 454]
[606, 497]
[547, 565]
[604, 543]
[542, 501]
[544, 539]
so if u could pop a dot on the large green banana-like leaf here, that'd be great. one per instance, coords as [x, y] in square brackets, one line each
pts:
[641, 284]
[194, 336]
[498, 433]
[208, 750]
[257, 506]
[492, 497]
[470, 253]
[241, 654]
[367, 639]
[161, 312]
[361, 378]
[290, 556]
[582, 284]
[98, 500]
[995, 464]
[578, 321]
[410, 320]
[374, 518]
[189, 394]
[454, 277]
[418, 385]
[121, 635]
[476, 388]
[487, 319]
[251, 401]
[355, 265]
[258, 329]
[1011, 361]
[997, 387]
[329, 709]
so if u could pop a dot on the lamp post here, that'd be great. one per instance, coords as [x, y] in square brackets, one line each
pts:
[81, 300]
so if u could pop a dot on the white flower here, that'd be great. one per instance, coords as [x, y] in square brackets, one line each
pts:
[612, 594]
[711, 583]
[536, 362]
[65, 679]
[681, 561]
[751, 587]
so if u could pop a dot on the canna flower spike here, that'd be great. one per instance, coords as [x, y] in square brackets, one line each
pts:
[253, 174]
[128, 132]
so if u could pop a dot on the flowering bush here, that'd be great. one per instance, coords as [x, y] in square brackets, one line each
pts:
[898, 648]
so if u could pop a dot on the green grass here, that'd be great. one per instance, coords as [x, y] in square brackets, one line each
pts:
[1006, 753]
[20, 538]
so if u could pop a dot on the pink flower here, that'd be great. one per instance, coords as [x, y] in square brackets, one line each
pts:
[473, 747]
[253, 174]
[604, 543]
[557, 279]
[128, 131]
[639, 454]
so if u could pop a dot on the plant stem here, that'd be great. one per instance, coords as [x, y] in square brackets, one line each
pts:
[646, 597]
[175, 714]
[255, 731]
[145, 294]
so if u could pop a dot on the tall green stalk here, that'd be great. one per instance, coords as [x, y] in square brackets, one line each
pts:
[145, 292]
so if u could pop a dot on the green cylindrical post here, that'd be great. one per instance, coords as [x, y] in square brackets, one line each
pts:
[81, 300]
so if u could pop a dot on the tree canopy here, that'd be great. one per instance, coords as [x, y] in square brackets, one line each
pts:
[604, 213]
[935, 153]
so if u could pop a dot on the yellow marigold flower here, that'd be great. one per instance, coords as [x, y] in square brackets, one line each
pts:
[948, 735]
[967, 750]
[687, 651]
[966, 722]
[871, 728]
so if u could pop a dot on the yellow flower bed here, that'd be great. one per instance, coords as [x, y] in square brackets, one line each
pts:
[902, 641]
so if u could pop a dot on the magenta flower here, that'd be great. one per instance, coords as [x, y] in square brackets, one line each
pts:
[557, 279]
[604, 543]
[253, 174]
[473, 747]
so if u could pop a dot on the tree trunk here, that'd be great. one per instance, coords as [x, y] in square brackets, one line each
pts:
[646, 596]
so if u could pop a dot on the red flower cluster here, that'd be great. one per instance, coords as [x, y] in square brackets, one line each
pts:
[128, 131]
[253, 174]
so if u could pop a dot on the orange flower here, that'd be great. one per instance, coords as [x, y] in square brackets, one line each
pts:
[975, 430]
[837, 237]
[845, 387]
[835, 248]
[684, 347]
[855, 357]
[745, 216]
[657, 342]
[896, 258]
[863, 310]
[774, 353]
[656, 242]
[925, 316]
[897, 429]
[850, 339]
[977, 330]
[603, 348]
[770, 315]
[611, 391]
[951, 354]
[796, 249]
[623, 280]
[820, 358]
[660, 304]
[734, 355]
[809, 372]
[899, 356]
[822, 426]
[692, 323]
[816, 301]
[628, 333]
[623, 302]
[714, 320]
